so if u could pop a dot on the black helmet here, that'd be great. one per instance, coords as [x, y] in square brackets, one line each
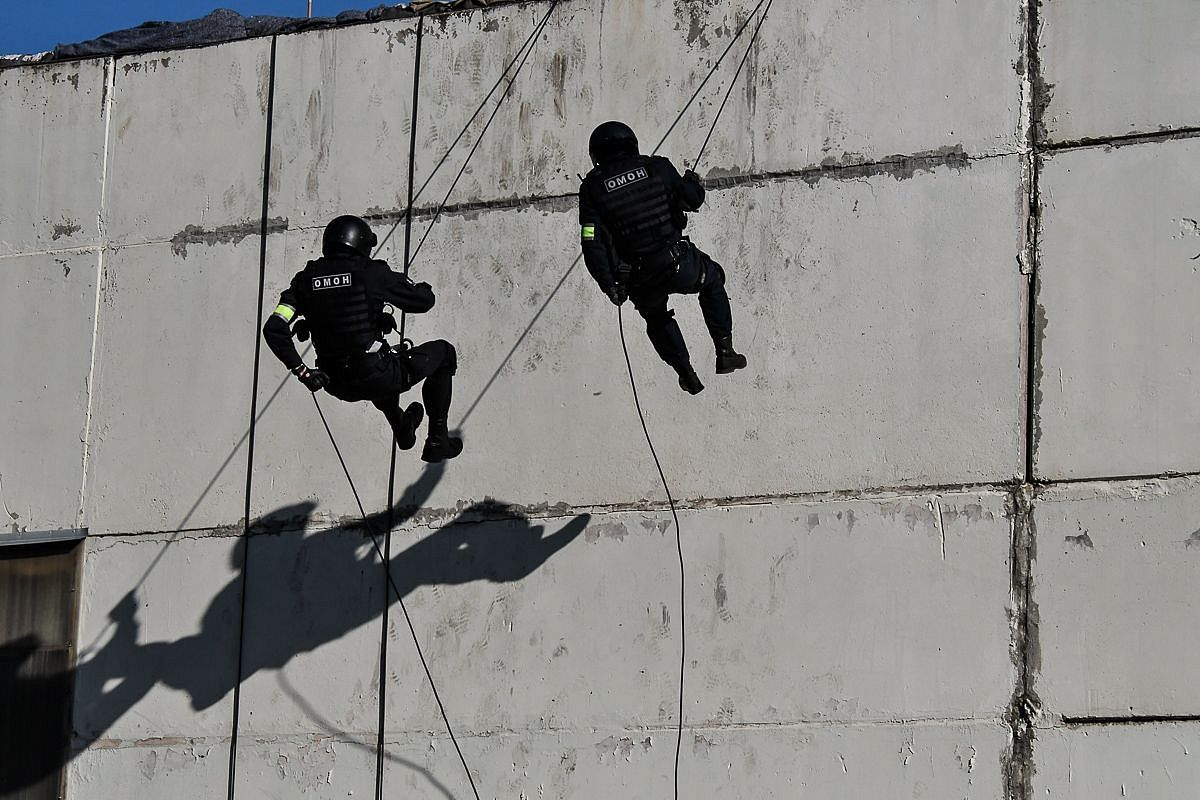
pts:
[348, 234]
[611, 140]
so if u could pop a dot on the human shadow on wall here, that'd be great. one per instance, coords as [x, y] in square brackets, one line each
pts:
[303, 591]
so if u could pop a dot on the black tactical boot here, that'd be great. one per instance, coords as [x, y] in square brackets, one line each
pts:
[689, 381]
[406, 431]
[728, 359]
[440, 445]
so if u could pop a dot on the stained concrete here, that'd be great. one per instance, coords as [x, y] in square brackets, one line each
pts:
[1157, 760]
[306, 766]
[812, 92]
[311, 626]
[49, 298]
[172, 330]
[845, 763]
[154, 771]
[340, 129]
[848, 339]
[209, 105]
[1114, 584]
[53, 133]
[158, 636]
[1114, 68]
[1117, 336]
[516, 647]
[879, 277]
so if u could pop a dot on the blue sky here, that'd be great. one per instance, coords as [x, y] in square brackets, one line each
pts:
[34, 27]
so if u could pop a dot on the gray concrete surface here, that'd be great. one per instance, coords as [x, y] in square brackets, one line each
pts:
[893, 761]
[814, 92]
[1157, 760]
[340, 130]
[1114, 69]
[879, 602]
[571, 642]
[841, 330]
[1116, 328]
[53, 129]
[49, 298]
[172, 328]
[209, 107]
[1115, 587]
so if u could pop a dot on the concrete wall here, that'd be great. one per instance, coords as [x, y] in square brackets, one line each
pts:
[939, 537]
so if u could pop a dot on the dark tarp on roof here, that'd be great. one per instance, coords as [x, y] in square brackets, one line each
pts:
[224, 25]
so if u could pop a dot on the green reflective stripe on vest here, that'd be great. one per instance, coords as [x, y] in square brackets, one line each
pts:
[284, 311]
[587, 232]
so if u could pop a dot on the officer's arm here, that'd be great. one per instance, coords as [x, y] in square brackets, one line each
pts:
[687, 187]
[399, 290]
[278, 331]
[594, 240]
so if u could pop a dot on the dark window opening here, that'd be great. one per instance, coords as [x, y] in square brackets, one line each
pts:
[38, 610]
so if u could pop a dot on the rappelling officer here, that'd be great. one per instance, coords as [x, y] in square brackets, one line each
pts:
[632, 212]
[341, 298]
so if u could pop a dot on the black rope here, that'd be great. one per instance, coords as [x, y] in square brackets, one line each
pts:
[387, 544]
[465, 128]
[732, 83]
[678, 547]
[633, 383]
[245, 538]
[399, 596]
[737, 35]
[479, 139]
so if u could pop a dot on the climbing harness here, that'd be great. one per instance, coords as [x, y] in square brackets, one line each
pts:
[633, 383]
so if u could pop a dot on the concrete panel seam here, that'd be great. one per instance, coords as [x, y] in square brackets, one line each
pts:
[899, 166]
[1168, 475]
[1025, 707]
[55, 251]
[434, 517]
[110, 71]
[1156, 719]
[708, 727]
[1123, 140]
[1034, 99]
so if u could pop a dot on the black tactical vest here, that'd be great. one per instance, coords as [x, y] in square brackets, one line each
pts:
[343, 317]
[638, 207]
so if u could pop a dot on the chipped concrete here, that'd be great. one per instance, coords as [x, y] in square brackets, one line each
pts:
[224, 234]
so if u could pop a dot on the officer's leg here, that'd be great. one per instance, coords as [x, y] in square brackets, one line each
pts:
[435, 363]
[404, 422]
[666, 337]
[714, 303]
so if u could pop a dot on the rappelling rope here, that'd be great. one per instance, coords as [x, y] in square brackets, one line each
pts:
[736, 75]
[537, 29]
[519, 60]
[633, 383]
[399, 597]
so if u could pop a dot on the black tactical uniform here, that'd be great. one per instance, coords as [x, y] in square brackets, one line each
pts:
[341, 298]
[632, 212]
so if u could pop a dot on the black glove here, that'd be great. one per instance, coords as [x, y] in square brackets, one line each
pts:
[692, 177]
[300, 330]
[387, 324]
[314, 379]
[617, 293]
